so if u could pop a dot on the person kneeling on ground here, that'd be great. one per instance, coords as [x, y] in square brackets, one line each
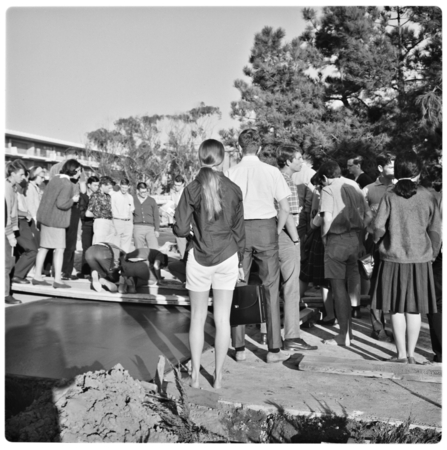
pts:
[138, 268]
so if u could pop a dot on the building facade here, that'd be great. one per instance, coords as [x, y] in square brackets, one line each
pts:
[39, 150]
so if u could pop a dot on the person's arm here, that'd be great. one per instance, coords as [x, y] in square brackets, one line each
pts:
[91, 207]
[238, 229]
[328, 218]
[64, 200]
[307, 207]
[381, 219]
[434, 230]
[156, 214]
[83, 203]
[182, 217]
[291, 229]
[283, 213]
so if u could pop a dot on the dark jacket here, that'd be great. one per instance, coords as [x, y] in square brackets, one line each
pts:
[216, 240]
[55, 206]
[146, 213]
[83, 205]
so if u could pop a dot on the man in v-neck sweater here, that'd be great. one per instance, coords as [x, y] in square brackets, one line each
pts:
[146, 219]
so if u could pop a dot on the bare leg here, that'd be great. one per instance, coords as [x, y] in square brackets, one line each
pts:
[199, 310]
[58, 257]
[40, 261]
[221, 311]
[413, 329]
[328, 302]
[343, 310]
[399, 330]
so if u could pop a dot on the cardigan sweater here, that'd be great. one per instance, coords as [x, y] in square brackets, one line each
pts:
[12, 223]
[55, 207]
[411, 228]
[146, 213]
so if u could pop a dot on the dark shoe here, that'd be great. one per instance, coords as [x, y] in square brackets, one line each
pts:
[297, 344]
[411, 360]
[74, 277]
[381, 336]
[328, 323]
[35, 282]
[57, 285]
[10, 300]
[356, 313]
[20, 280]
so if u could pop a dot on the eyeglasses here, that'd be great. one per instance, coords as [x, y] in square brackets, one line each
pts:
[350, 165]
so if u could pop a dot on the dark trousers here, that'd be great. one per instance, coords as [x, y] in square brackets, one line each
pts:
[377, 316]
[71, 237]
[9, 264]
[87, 240]
[435, 320]
[100, 258]
[262, 246]
[26, 249]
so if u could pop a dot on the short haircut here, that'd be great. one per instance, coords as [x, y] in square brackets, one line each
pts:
[249, 140]
[70, 167]
[330, 169]
[105, 181]
[407, 165]
[34, 171]
[141, 185]
[285, 153]
[72, 151]
[357, 160]
[124, 182]
[14, 167]
[92, 179]
[383, 159]
[179, 179]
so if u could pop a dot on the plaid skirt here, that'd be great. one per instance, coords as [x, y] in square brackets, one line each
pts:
[404, 288]
[312, 267]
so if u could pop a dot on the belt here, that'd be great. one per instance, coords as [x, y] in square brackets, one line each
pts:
[117, 218]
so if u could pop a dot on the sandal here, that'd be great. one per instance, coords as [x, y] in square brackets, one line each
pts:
[395, 359]
[411, 360]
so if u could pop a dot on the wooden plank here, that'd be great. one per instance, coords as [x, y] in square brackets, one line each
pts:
[80, 289]
[371, 368]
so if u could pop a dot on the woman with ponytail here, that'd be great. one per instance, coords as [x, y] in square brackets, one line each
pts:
[210, 213]
[408, 230]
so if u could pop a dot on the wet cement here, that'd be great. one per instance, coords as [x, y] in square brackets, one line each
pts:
[62, 338]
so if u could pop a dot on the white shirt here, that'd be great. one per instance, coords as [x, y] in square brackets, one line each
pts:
[122, 205]
[303, 185]
[261, 184]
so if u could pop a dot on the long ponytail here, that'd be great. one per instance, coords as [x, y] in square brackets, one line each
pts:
[211, 153]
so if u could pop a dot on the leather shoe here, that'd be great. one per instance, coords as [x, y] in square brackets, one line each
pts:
[328, 323]
[20, 280]
[74, 277]
[240, 356]
[277, 357]
[298, 344]
[57, 285]
[381, 336]
[35, 282]
[10, 300]
[356, 313]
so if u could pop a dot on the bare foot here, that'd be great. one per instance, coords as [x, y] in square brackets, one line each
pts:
[338, 341]
[195, 380]
[217, 381]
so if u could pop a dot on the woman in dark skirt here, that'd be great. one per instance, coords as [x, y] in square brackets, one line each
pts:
[408, 226]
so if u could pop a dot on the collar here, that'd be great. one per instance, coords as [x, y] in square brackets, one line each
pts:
[62, 175]
[250, 158]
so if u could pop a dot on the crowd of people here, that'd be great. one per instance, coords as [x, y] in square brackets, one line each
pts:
[301, 225]
[295, 223]
[43, 213]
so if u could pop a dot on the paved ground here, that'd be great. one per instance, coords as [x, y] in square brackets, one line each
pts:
[254, 382]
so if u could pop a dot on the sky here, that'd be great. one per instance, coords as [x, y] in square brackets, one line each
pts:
[74, 70]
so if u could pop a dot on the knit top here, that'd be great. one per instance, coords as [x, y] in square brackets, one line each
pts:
[55, 207]
[411, 228]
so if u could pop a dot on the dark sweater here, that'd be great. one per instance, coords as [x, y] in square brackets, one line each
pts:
[83, 205]
[55, 206]
[146, 213]
[411, 228]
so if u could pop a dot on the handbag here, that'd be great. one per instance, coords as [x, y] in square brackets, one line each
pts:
[248, 306]
[366, 265]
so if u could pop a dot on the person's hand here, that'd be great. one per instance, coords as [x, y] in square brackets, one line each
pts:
[157, 234]
[241, 274]
[12, 240]
[76, 198]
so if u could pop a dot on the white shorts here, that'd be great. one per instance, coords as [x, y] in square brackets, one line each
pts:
[222, 276]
